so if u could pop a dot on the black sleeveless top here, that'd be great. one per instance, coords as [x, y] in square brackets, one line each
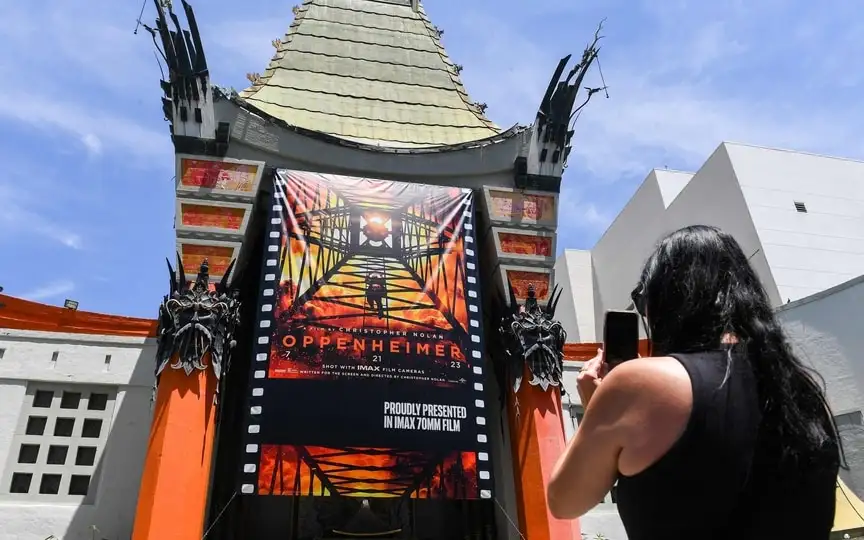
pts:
[724, 478]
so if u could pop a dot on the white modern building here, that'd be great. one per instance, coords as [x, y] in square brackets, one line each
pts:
[826, 332]
[74, 423]
[800, 219]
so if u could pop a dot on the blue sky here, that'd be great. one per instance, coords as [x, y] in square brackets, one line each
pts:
[86, 190]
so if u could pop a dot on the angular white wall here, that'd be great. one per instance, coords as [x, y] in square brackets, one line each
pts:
[575, 311]
[619, 255]
[826, 332]
[807, 252]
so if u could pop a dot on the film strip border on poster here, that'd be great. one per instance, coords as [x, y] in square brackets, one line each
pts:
[475, 331]
[271, 270]
[276, 231]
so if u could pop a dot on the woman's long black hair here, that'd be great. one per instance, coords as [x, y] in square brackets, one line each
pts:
[698, 286]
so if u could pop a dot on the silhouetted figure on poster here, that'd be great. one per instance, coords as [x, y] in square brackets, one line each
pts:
[306, 227]
[376, 290]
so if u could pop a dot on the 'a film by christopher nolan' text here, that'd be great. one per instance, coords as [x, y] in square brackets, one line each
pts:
[370, 329]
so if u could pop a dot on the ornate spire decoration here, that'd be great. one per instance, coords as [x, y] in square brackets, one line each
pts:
[532, 337]
[183, 53]
[552, 130]
[188, 99]
[195, 320]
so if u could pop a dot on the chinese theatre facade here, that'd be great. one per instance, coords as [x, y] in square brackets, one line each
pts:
[359, 338]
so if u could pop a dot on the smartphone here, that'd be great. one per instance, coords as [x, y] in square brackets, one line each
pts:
[620, 337]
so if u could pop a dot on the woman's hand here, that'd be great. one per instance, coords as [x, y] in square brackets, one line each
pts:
[590, 377]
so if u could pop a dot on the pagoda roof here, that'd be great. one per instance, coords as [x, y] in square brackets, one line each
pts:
[369, 71]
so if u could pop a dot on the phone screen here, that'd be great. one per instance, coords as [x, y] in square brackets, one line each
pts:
[620, 337]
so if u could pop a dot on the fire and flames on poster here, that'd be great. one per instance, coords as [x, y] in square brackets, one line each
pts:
[372, 308]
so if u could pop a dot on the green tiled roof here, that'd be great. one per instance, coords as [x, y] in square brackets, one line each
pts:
[372, 71]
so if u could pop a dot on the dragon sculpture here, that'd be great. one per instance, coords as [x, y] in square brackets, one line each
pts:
[532, 337]
[195, 320]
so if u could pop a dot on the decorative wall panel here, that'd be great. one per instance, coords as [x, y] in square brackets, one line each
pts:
[520, 277]
[197, 216]
[522, 208]
[523, 246]
[220, 178]
[219, 255]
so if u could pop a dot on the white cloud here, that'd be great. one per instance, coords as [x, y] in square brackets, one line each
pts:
[671, 97]
[92, 128]
[683, 77]
[50, 290]
[59, 234]
[92, 143]
[648, 126]
[100, 45]
[576, 212]
[18, 218]
[83, 76]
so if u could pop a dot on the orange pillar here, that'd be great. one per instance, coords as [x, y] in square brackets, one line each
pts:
[537, 439]
[173, 496]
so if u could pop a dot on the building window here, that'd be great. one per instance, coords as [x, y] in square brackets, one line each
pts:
[57, 444]
[801, 207]
[850, 419]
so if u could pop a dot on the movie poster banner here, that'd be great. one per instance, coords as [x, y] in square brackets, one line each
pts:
[367, 378]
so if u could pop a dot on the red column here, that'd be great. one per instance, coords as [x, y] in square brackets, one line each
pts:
[173, 496]
[537, 439]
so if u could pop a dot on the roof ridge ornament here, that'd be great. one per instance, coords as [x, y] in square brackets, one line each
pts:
[552, 130]
[188, 100]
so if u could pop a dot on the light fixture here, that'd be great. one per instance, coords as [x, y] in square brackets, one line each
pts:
[70, 304]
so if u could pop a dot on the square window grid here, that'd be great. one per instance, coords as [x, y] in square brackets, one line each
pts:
[58, 442]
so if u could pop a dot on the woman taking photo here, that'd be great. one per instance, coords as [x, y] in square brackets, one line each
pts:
[722, 433]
